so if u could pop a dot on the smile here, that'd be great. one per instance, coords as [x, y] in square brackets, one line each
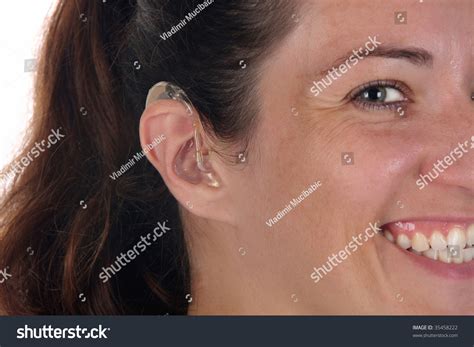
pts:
[450, 243]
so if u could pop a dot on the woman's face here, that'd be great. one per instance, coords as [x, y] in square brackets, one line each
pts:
[366, 134]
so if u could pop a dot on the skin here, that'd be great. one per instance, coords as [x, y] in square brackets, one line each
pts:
[242, 266]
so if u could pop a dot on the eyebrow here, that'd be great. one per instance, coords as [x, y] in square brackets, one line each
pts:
[417, 56]
[414, 55]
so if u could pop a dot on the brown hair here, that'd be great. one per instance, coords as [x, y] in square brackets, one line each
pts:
[63, 218]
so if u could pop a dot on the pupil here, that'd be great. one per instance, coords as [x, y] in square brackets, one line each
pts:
[375, 94]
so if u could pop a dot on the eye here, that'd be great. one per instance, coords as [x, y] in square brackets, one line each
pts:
[380, 95]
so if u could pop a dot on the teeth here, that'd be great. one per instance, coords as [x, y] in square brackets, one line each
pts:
[419, 243]
[438, 246]
[443, 256]
[403, 241]
[470, 235]
[438, 241]
[431, 253]
[467, 254]
[458, 258]
[456, 237]
[388, 235]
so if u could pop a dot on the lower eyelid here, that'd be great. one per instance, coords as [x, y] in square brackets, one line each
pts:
[392, 106]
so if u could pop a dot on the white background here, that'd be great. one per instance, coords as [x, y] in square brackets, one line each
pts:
[20, 34]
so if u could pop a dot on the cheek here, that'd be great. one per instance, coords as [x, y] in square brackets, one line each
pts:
[372, 165]
[283, 163]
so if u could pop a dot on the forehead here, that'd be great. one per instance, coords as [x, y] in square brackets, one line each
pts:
[349, 20]
[329, 29]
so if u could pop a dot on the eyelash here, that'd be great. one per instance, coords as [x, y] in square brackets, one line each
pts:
[355, 95]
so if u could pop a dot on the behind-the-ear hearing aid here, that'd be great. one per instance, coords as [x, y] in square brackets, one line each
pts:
[169, 91]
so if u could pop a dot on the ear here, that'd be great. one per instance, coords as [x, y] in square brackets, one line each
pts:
[175, 159]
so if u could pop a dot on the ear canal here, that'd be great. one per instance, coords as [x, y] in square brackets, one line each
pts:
[193, 165]
[185, 163]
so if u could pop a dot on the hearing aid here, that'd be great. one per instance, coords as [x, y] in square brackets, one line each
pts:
[183, 167]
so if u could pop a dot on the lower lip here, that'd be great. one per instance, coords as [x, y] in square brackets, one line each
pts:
[452, 271]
